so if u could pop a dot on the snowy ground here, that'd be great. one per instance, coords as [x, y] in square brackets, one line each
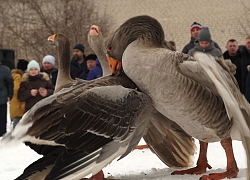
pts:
[138, 165]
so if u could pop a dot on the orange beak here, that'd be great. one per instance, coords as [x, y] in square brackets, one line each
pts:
[52, 38]
[114, 65]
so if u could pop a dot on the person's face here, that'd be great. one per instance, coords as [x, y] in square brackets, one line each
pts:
[195, 32]
[77, 54]
[204, 44]
[33, 71]
[232, 47]
[47, 66]
[91, 64]
[248, 44]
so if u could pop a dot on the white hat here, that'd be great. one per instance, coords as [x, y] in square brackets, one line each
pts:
[33, 64]
[49, 59]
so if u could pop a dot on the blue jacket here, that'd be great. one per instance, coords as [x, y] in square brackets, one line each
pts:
[96, 72]
[6, 84]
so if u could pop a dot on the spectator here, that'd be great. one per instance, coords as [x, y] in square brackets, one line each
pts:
[34, 86]
[195, 30]
[49, 68]
[205, 44]
[78, 65]
[94, 66]
[235, 55]
[6, 93]
[247, 89]
[17, 107]
[246, 61]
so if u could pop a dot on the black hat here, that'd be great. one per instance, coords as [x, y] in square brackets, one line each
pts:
[22, 64]
[204, 35]
[91, 57]
[80, 47]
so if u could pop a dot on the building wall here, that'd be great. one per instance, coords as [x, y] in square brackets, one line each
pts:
[225, 18]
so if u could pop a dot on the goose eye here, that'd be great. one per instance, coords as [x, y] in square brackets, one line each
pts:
[109, 49]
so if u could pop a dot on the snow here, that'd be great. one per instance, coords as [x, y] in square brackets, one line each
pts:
[138, 165]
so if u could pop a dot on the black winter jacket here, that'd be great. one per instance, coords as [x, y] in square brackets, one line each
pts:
[78, 70]
[241, 71]
[6, 84]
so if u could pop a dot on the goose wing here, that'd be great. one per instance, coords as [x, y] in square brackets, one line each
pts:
[216, 74]
[237, 107]
[96, 126]
[169, 142]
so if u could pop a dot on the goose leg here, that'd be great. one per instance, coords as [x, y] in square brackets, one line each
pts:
[98, 176]
[232, 169]
[201, 164]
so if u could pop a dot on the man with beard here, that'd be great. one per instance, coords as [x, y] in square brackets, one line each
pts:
[78, 65]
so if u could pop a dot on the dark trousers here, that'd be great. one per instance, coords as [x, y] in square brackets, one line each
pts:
[3, 119]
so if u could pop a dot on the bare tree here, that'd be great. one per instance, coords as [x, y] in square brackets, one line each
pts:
[26, 24]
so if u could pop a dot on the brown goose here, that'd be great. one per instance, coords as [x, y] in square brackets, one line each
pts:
[189, 92]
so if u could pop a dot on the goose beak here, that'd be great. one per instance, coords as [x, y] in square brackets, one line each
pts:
[114, 65]
[52, 38]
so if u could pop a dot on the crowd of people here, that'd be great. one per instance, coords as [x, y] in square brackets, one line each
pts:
[29, 83]
[239, 55]
[24, 86]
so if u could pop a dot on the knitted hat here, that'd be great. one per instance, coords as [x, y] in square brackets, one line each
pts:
[91, 57]
[49, 59]
[204, 35]
[80, 47]
[22, 64]
[33, 64]
[195, 25]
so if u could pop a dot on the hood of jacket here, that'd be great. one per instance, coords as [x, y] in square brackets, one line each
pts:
[42, 75]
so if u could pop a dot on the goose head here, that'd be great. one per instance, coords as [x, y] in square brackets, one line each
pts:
[143, 28]
[63, 48]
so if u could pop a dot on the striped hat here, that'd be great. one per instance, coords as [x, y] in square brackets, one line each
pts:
[195, 25]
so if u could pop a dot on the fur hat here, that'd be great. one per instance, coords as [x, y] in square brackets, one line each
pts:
[195, 25]
[204, 35]
[33, 64]
[80, 47]
[49, 59]
[22, 64]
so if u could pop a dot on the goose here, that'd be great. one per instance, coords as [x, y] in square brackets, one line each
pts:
[55, 122]
[200, 94]
[46, 123]
[95, 122]
[165, 138]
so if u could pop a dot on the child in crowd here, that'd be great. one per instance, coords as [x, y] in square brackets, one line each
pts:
[34, 86]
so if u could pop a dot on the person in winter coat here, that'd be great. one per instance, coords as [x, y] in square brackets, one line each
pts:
[6, 93]
[48, 66]
[78, 65]
[17, 107]
[205, 44]
[246, 61]
[94, 66]
[34, 86]
[195, 29]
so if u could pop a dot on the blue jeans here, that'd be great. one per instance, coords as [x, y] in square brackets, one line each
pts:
[3, 119]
